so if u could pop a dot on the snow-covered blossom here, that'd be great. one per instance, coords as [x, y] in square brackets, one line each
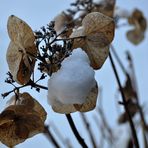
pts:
[73, 82]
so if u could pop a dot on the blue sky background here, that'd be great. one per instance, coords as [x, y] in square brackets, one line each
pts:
[39, 13]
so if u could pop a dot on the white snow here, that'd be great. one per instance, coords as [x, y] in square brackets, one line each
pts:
[72, 83]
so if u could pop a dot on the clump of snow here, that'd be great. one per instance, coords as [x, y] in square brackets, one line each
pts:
[73, 81]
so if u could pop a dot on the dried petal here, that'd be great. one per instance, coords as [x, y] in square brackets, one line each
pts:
[99, 29]
[20, 32]
[79, 42]
[61, 21]
[98, 32]
[22, 51]
[20, 66]
[135, 36]
[19, 122]
[106, 7]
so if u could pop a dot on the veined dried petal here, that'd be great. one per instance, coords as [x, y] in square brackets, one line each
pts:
[22, 51]
[20, 32]
[135, 36]
[99, 27]
[98, 32]
[21, 67]
[61, 21]
[79, 42]
[138, 20]
[106, 7]
[96, 55]
[19, 122]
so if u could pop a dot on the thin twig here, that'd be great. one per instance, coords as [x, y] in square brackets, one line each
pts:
[50, 136]
[76, 133]
[125, 104]
[87, 125]
[143, 123]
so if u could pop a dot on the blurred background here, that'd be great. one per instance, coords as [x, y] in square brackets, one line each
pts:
[40, 13]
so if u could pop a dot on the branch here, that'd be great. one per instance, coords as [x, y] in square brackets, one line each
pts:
[76, 133]
[125, 103]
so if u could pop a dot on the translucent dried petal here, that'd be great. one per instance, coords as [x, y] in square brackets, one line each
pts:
[20, 32]
[99, 28]
[61, 21]
[79, 42]
[106, 7]
[22, 51]
[135, 36]
[96, 55]
[19, 65]
[138, 20]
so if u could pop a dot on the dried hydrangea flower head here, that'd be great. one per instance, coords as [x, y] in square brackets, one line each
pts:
[22, 51]
[73, 87]
[98, 32]
[22, 120]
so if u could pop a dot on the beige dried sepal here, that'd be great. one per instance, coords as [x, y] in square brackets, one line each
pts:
[90, 104]
[106, 7]
[98, 28]
[21, 121]
[20, 32]
[135, 36]
[98, 32]
[61, 21]
[20, 65]
[22, 51]
[78, 42]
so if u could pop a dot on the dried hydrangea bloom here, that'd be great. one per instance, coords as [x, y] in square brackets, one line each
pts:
[22, 51]
[73, 87]
[137, 19]
[98, 32]
[21, 121]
